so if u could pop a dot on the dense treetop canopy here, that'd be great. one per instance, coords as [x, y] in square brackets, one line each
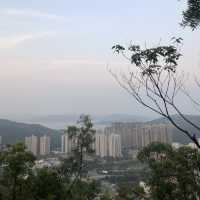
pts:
[191, 17]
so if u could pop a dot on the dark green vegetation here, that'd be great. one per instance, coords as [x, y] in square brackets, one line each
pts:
[174, 173]
[19, 180]
[168, 174]
[191, 17]
[16, 172]
[82, 136]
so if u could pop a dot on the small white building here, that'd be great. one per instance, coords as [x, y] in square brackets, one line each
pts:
[176, 145]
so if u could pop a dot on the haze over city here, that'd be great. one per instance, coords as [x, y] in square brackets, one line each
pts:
[99, 100]
[54, 55]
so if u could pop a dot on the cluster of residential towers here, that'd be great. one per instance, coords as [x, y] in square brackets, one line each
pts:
[38, 145]
[109, 141]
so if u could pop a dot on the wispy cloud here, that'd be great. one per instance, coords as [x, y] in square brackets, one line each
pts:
[31, 14]
[77, 61]
[11, 42]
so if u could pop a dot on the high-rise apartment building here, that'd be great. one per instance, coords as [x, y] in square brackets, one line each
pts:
[44, 145]
[138, 135]
[32, 144]
[38, 145]
[108, 145]
[67, 144]
[114, 145]
[101, 145]
[155, 133]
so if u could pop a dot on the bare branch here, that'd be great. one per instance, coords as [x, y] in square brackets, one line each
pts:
[156, 76]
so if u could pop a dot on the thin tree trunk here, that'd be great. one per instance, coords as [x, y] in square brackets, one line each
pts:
[14, 189]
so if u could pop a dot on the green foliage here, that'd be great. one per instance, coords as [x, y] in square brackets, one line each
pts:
[174, 173]
[154, 151]
[153, 60]
[16, 165]
[129, 192]
[82, 136]
[191, 17]
[16, 160]
[84, 190]
[106, 196]
[125, 193]
[48, 185]
[19, 180]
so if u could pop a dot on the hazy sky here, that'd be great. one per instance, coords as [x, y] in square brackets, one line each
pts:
[54, 53]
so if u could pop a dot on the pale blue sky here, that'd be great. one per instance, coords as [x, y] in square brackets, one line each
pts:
[54, 53]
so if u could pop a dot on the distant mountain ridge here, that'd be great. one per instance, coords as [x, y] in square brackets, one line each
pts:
[60, 121]
[177, 135]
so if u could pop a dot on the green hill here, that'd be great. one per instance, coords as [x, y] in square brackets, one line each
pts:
[13, 132]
